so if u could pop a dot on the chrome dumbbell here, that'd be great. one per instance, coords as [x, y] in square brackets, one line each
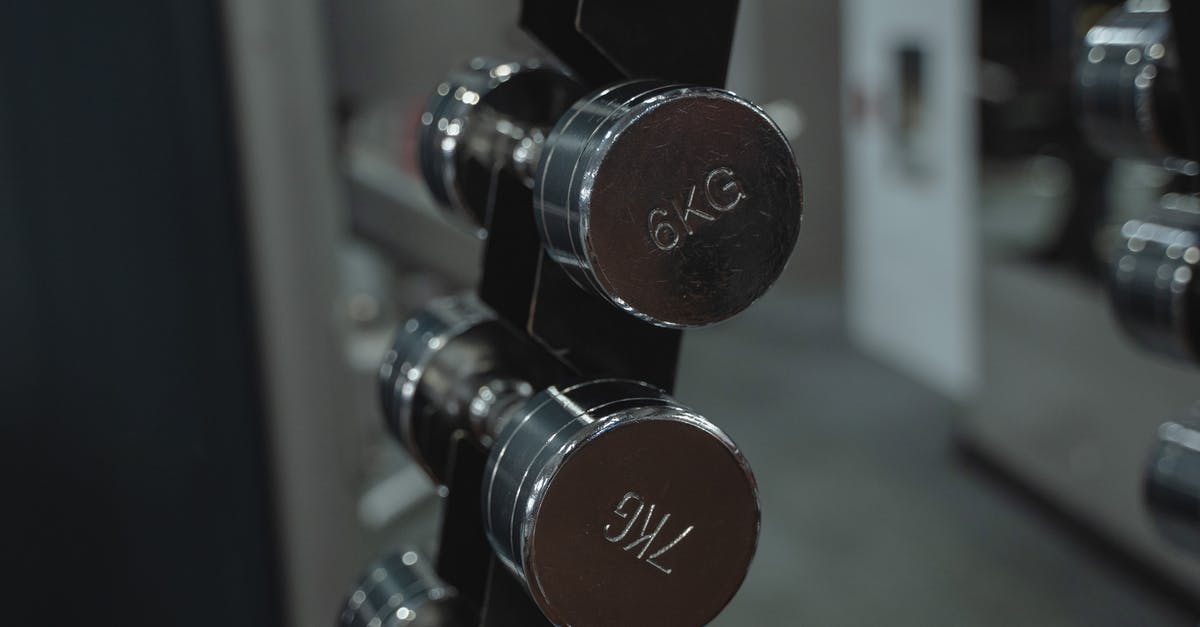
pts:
[455, 367]
[483, 121]
[678, 204]
[1154, 278]
[402, 589]
[1128, 85]
[610, 501]
[1172, 485]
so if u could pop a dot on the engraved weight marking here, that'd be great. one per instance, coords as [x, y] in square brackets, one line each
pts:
[727, 182]
[646, 537]
[722, 192]
[664, 235]
[689, 210]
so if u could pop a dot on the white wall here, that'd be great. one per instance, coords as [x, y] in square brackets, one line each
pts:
[786, 58]
[912, 255]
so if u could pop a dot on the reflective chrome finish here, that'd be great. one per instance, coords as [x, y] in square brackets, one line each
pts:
[618, 506]
[480, 120]
[1173, 481]
[678, 204]
[417, 343]
[1154, 278]
[613, 503]
[402, 589]
[452, 367]
[1128, 87]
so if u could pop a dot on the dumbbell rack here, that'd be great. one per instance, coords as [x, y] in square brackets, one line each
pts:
[600, 41]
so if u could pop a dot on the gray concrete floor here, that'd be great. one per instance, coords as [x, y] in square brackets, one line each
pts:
[868, 516]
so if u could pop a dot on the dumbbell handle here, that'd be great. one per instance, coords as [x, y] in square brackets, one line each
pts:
[455, 367]
[501, 140]
[402, 588]
[493, 404]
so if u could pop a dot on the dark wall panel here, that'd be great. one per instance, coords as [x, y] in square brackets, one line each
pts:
[131, 430]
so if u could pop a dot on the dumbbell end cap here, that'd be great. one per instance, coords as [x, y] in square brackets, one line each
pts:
[681, 206]
[652, 517]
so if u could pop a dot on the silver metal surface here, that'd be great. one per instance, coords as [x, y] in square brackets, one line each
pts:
[617, 506]
[455, 367]
[1154, 289]
[483, 119]
[678, 204]
[401, 588]
[1126, 84]
[1173, 481]
[419, 340]
[606, 486]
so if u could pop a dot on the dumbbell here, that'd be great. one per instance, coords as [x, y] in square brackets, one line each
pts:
[611, 502]
[1128, 85]
[401, 588]
[1154, 288]
[1172, 485]
[678, 204]
[481, 122]
[453, 367]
